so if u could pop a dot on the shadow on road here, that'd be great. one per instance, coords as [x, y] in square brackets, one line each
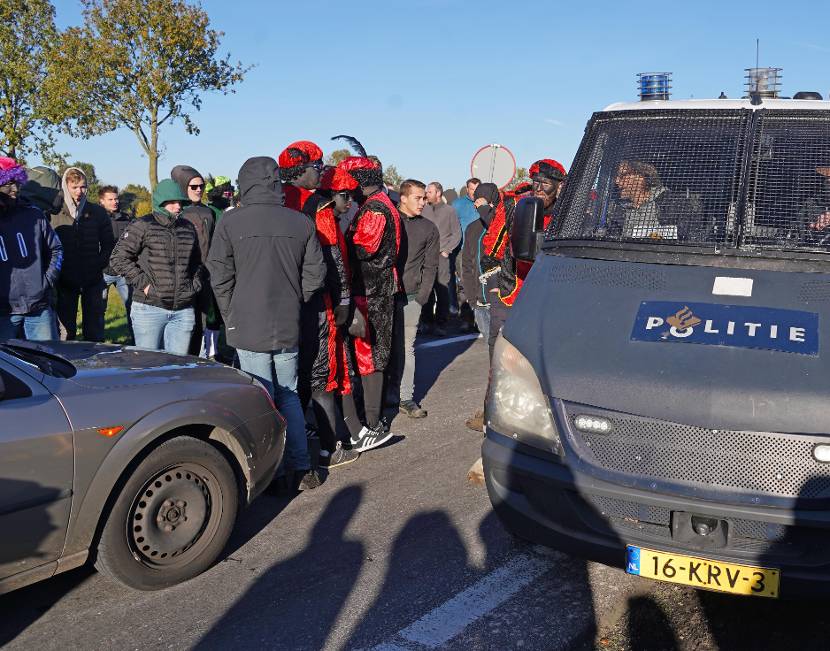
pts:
[294, 603]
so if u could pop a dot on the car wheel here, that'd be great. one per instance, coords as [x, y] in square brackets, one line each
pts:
[172, 518]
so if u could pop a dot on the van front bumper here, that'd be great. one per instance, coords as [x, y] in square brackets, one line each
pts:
[540, 498]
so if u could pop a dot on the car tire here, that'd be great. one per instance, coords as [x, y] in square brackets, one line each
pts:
[172, 518]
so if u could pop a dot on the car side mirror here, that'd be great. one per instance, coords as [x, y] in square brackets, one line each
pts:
[528, 220]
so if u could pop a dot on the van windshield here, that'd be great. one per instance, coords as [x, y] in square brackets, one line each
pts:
[716, 179]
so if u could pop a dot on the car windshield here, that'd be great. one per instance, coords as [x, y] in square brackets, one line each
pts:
[47, 363]
[717, 179]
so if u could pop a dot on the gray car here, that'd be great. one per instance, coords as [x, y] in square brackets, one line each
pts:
[135, 459]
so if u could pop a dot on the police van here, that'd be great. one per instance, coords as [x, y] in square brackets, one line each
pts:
[660, 394]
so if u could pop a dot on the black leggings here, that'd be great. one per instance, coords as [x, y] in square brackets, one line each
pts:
[373, 398]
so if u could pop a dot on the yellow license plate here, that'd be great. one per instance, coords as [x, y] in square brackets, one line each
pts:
[703, 572]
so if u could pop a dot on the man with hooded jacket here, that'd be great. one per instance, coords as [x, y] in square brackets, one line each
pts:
[264, 262]
[85, 232]
[159, 257]
[192, 185]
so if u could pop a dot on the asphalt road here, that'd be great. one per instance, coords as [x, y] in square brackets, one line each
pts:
[398, 552]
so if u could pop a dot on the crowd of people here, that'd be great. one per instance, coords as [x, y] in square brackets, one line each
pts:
[317, 283]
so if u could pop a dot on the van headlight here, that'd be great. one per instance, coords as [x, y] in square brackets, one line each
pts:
[515, 405]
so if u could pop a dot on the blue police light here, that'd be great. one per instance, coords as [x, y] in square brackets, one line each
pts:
[654, 85]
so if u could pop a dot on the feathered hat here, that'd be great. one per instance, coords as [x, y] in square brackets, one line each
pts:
[11, 171]
[548, 168]
[294, 158]
[365, 170]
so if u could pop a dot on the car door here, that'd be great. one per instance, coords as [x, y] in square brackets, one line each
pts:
[36, 472]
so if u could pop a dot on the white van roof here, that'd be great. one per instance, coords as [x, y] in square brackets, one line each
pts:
[708, 104]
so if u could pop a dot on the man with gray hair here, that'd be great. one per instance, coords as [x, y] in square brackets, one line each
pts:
[437, 309]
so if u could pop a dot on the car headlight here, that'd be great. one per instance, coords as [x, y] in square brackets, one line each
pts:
[515, 405]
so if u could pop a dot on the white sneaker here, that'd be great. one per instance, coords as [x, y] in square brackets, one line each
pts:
[370, 438]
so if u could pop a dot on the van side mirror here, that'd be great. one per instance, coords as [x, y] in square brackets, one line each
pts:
[528, 220]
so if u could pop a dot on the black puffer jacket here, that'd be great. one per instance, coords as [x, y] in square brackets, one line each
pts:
[87, 244]
[162, 252]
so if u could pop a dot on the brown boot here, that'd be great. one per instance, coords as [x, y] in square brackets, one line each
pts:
[476, 422]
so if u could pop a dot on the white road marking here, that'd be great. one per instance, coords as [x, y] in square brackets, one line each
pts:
[448, 340]
[450, 618]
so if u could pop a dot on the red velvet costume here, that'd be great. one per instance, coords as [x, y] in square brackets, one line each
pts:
[374, 238]
[293, 161]
[331, 365]
[513, 272]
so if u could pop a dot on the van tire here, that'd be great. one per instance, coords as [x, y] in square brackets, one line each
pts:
[172, 518]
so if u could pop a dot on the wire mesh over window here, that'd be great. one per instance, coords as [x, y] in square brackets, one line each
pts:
[667, 177]
[788, 201]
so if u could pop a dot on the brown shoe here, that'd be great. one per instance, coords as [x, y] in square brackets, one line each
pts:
[476, 422]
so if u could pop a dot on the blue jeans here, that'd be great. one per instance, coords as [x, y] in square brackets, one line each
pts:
[159, 329]
[36, 326]
[277, 370]
[126, 294]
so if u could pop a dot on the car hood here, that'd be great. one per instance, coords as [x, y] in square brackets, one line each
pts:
[106, 365]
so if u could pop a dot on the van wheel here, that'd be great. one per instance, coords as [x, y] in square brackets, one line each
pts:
[172, 518]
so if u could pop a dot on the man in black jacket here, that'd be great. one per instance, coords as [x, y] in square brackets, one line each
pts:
[158, 254]
[192, 185]
[108, 199]
[30, 261]
[418, 268]
[265, 261]
[85, 232]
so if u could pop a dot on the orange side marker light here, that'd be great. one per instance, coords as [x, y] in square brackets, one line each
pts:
[109, 432]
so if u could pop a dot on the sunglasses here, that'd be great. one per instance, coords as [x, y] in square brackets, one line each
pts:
[198, 186]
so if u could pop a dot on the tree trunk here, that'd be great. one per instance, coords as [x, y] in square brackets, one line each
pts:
[153, 159]
[153, 151]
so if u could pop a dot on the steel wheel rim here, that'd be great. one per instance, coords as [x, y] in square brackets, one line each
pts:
[174, 516]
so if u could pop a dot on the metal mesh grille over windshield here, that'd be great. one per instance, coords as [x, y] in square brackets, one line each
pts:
[719, 179]
[661, 176]
[788, 205]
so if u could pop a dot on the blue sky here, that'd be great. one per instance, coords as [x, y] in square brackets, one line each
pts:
[425, 83]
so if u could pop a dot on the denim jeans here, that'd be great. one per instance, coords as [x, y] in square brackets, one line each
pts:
[277, 370]
[126, 294]
[36, 326]
[159, 329]
[482, 317]
[407, 315]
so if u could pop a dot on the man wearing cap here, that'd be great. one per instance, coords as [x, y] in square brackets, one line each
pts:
[192, 185]
[30, 262]
[300, 166]
[547, 176]
[374, 238]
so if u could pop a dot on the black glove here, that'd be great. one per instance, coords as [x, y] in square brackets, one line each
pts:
[358, 326]
[341, 314]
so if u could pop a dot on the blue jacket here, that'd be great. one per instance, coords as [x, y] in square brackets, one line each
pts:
[466, 211]
[30, 260]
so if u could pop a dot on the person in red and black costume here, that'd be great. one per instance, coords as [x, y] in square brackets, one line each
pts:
[300, 166]
[374, 238]
[326, 358]
[547, 176]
